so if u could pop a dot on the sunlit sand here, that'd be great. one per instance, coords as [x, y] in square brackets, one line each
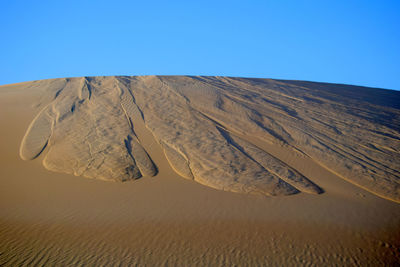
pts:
[197, 171]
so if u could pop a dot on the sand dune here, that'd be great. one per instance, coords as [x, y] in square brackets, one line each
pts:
[211, 128]
[56, 219]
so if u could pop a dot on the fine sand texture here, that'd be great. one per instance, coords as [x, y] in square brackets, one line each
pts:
[214, 170]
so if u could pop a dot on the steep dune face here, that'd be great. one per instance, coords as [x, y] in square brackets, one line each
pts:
[207, 127]
[88, 132]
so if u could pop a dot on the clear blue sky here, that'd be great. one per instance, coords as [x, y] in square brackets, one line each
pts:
[342, 41]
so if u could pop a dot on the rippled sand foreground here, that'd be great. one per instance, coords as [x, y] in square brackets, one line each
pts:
[337, 144]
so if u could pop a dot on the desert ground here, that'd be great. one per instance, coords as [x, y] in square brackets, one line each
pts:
[198, 171]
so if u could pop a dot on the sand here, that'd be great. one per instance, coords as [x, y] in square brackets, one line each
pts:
[206, 126]
[55, 218]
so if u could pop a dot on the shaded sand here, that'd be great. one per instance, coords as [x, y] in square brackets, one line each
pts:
[49, 218]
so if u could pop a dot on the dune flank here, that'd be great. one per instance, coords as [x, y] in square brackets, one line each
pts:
[206, 127]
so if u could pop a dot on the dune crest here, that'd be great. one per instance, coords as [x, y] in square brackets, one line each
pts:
[206, 125]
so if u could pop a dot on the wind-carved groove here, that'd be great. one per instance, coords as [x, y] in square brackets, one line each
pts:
[73, 107]
[138, 153]
[86, 90]
[37, 135]
[128, 101]
[58, 93]
[128, 147]
[134, 102]
[230, 141]
[178, 162]
[272, 164]
[41, 150]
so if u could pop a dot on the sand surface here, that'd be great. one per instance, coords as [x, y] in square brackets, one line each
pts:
[50, 218]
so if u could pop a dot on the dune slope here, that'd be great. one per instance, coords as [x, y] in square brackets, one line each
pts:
[210, 129]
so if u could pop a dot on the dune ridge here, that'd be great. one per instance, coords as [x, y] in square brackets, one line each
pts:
[205, 126]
